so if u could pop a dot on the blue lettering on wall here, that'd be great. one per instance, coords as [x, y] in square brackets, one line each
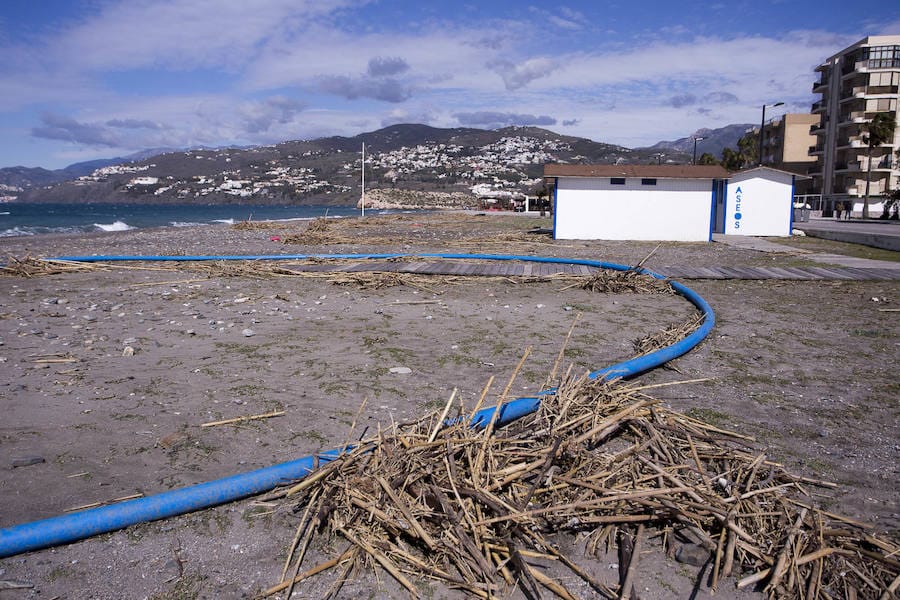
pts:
[738, 195]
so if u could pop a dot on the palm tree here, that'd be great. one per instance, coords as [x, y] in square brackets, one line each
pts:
[878, 131]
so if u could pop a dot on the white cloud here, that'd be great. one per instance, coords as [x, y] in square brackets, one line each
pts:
[177, 34]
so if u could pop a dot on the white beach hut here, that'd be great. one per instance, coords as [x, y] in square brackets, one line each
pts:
[635, 202]
[759, 202]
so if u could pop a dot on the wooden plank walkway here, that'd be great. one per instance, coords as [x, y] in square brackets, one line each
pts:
[514, 268]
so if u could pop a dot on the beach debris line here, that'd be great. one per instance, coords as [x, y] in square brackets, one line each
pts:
[36, 267]
[481, 510]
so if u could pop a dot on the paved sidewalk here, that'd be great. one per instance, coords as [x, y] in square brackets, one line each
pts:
[872, 232]
[765, 245]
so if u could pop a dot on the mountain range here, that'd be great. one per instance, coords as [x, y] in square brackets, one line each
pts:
[327, 170]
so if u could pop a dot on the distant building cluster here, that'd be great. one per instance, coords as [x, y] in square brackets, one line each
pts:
[495, 171]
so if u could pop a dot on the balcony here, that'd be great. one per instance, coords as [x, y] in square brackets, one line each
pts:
[850, 142]
[849, 167]
[819, 106]
[885, 163]
[820, 86]
[817, 149]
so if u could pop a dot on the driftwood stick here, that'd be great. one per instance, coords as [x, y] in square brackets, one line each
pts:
[268, 415]
[628, 583]
[383, 560]
[440, 421]
[562, 351]
[328, 564]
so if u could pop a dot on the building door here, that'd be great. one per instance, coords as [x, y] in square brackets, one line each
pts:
[718, 216]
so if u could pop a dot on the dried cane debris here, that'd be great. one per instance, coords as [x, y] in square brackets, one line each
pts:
[618, 282]
[668, 336]
[36, 267]
[478, 512]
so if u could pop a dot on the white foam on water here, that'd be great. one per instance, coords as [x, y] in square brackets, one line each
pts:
[226, 221]
[117, 226]
[185, 224]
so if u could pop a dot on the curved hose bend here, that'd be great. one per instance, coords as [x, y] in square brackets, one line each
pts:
[80, 525]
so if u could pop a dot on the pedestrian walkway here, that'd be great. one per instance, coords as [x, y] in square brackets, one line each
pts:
[515, 268]
[872, 232]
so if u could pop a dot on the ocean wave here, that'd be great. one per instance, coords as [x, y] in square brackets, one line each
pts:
[226, 221]
[26, 230]
[16, 232]
[117, 226]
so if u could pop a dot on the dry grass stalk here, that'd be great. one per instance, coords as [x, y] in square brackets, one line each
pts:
[448, 504]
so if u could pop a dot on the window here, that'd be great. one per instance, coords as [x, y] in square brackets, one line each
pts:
[648, 181]
[882, 57]
[617, 181]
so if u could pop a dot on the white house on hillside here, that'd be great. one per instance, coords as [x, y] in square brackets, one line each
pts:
[635, 202]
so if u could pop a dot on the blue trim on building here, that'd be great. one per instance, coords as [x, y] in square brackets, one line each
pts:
[555, 207]
[791, 220]
[712, 210]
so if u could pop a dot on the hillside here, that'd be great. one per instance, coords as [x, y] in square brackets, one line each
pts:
[714, 140]
[500, 163]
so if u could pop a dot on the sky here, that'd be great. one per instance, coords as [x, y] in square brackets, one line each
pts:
[88, 79]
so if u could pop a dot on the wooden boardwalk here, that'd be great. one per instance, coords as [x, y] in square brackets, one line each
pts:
[513, 268]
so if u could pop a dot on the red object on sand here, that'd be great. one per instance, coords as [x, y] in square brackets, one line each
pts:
[275, 238]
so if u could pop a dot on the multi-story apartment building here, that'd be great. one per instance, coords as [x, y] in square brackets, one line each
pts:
[856, 84]
[786, 143]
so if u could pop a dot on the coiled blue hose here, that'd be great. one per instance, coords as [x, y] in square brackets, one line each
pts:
[80, 525]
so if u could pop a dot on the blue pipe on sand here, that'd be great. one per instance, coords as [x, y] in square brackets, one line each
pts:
[80, 525]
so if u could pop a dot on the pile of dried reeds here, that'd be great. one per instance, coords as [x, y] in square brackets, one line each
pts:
[669, 335]
[475, 508]
[618, 282]
[36, 267]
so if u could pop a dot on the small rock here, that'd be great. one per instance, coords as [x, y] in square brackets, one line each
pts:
[26, 461]
[128, 351]
[248, 332]
[692, 554]
[400, 370]
[241, 300]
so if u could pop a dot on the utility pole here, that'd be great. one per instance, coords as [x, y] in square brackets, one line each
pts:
[762, 126]
[362, 200]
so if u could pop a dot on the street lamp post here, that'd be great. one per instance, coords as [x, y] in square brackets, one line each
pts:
[762, 127]
[696, 139]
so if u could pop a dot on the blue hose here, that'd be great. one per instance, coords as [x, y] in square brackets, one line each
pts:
[80, 525]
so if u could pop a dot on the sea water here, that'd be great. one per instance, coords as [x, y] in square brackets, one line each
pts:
[17, 219]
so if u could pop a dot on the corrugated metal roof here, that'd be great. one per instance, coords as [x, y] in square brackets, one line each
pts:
[649, 171]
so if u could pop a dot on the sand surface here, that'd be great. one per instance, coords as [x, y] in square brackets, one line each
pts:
[108, 375]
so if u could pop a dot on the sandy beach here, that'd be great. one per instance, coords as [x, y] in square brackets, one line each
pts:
[111, 372]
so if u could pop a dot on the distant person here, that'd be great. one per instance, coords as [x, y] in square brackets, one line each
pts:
[838, 209]
[848, 208]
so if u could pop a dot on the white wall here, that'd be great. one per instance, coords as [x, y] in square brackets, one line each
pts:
[759, 203]
[590, 208]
